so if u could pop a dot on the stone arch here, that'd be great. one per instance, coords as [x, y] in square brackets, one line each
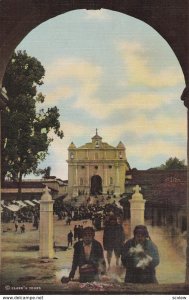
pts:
[169, 18]
[96, 185]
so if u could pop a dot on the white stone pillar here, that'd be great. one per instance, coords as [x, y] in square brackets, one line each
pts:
[88, 178]
[75, 187]
[117, 183]
[106, 173]
[137, 206]
[46, 232]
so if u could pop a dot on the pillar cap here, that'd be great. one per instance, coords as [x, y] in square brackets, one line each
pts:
[137, 196]
[46, 195]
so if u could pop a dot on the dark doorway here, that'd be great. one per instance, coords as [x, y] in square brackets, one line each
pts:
[184, 224]
[96, 185]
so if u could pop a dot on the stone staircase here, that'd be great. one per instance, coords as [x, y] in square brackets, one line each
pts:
[77, 201]
[102, 199]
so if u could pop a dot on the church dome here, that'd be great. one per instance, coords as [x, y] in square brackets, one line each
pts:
[72, 146]
[120, 145]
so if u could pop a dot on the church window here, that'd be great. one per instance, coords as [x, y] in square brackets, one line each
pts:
[97, 144]
[82, 167]
[111, 180]
[71, 155]
[96, 167]
[81, 181]
[110, 167]
[120, 155]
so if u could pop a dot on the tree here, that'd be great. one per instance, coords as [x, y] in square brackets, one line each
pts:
[46, 172]
[25, 131]
[173, 164]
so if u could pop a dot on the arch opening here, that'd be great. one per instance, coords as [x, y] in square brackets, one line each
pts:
[22, 21]
[96, 185]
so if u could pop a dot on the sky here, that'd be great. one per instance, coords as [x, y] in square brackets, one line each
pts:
[110, 71]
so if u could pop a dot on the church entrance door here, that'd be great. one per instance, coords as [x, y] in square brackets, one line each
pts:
[96, 185]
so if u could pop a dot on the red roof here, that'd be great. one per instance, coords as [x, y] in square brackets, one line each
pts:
[26, 184]
[161, 186]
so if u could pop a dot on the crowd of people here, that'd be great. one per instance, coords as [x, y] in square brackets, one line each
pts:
[97, 213]
[139, 255]
[25, 214]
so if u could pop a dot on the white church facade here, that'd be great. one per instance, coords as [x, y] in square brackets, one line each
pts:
[96, 168]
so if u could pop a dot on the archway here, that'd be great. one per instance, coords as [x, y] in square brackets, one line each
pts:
[96, 185]
[168, 18]
[173, 28]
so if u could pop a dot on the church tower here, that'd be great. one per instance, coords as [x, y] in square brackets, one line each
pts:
[96, 168]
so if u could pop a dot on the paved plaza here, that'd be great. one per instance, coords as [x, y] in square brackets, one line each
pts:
[23, 271]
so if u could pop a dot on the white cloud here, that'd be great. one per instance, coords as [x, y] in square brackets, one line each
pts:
[157, 125]
[101, 15]
[69, 77]
[59, 93]
[72, 130]
[139, 71]
[138, 102]
[81, 80]
[59, 148]
[141, 128]
[148, 151]
[72, 68]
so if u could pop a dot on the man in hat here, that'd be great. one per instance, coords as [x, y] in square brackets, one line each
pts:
[140, 257]
[113, 239]
[70, 238]
[89, 257]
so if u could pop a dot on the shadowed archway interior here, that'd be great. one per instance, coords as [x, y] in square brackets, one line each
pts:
[169, 18]
[96, 185]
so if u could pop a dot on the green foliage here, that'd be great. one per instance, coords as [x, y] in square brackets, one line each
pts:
[173, 164]
[46, 172]
[25, 131]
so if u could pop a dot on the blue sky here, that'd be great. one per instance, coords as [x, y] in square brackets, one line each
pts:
[113, 72]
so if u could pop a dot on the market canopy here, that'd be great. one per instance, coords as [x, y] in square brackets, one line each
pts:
[12, 207]
[35, 201]
[29, 202]
[20, 203]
